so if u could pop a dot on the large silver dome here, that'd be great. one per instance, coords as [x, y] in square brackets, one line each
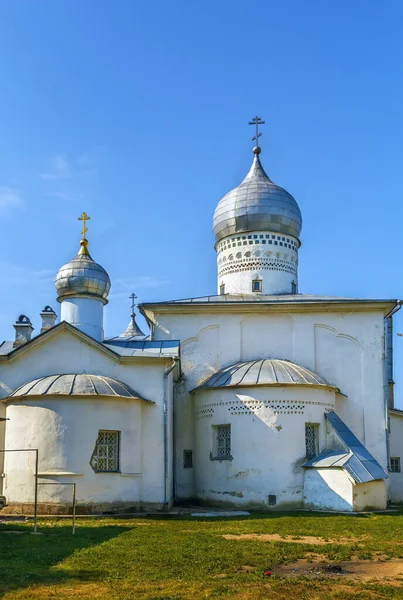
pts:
[257, 204]
[82, 276]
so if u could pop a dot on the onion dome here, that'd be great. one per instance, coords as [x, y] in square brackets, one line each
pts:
[82, 276]
[257, 204]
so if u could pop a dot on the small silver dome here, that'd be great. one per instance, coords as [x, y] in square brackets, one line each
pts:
[257, 204]
[269, 371]
[82, 276]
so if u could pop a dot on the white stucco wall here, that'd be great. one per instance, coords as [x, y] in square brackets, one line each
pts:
[65, 430]
[267, 442]
[370, 496]
[334, 489]
[346, 348]
[268, 256]
[86, 314]
[328, 489]
[2, 443]
[396, 450]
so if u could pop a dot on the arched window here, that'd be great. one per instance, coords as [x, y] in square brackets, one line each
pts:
[222, 289]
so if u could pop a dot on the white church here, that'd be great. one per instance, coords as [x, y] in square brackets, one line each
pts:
[257, 397]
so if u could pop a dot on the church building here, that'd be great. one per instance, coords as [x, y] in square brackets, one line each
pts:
[258, 396]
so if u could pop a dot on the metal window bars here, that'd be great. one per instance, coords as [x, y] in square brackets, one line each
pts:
[223, 441]
[106, 454]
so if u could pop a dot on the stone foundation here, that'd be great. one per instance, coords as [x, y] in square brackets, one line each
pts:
[83, 509]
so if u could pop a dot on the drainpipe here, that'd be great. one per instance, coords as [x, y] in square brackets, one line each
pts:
[388, 371]
[165, 408]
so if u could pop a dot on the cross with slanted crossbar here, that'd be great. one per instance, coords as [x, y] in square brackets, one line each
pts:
[132, 296]
[84, 218]
[256, 121]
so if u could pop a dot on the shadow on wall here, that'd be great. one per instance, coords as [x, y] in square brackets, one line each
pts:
[28, 560]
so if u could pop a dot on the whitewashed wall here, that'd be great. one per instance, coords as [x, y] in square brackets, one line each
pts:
[346, 348]
[396, 450]
[65, 430]
[267, 442]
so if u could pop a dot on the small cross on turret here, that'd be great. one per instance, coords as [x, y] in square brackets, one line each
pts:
[256, 121]
[133, 297]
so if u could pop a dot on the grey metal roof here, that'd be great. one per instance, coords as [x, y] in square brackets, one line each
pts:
[6, 348]
[131, 332]
[82, 276]
[264, 372]
[257, 204]
[356, 460]
[267, 299]
[76, 384]
[143, 348]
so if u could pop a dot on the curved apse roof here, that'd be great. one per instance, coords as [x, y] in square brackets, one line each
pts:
[264, 372]
[81, 384]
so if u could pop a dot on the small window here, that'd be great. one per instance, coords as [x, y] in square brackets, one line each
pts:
[222, 289]
[293, 287]
[257, 285]
[105, 458]
[395, 464]
[311, 439]
[221, 443]
[187, 459]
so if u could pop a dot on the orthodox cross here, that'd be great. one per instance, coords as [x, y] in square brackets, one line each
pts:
[256, 121]
[84, 217]
[133, 296]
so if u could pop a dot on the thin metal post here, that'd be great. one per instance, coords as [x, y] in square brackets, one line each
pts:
[36, 478]
[36, 490]
[74, 508]
[74, 497]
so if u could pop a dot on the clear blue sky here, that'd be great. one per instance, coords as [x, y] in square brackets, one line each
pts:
[137, 113]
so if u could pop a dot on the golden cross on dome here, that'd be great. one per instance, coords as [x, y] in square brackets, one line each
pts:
[256, 121]
[84, 218]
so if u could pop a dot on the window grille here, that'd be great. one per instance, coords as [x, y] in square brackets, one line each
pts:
[188, 459]
[311, 440]
[223, 442]
[106, 454]
[395, 464]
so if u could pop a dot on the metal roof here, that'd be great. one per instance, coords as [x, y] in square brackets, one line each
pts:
[143, 348]
[264, 372]
[356, 459]
[120, 346]
[82, 276]
[268, 299]
[132, 331]
[76, 384]
[257, 204]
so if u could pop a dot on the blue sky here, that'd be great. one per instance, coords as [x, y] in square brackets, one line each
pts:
[137, 113]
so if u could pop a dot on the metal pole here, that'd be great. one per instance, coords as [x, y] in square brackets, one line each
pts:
[74, 497]
[36, 491]
[74, 508]
[36, 477]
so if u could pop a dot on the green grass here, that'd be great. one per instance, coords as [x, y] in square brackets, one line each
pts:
[184, 558]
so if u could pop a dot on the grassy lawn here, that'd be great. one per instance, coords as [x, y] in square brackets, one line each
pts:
[185, 558]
